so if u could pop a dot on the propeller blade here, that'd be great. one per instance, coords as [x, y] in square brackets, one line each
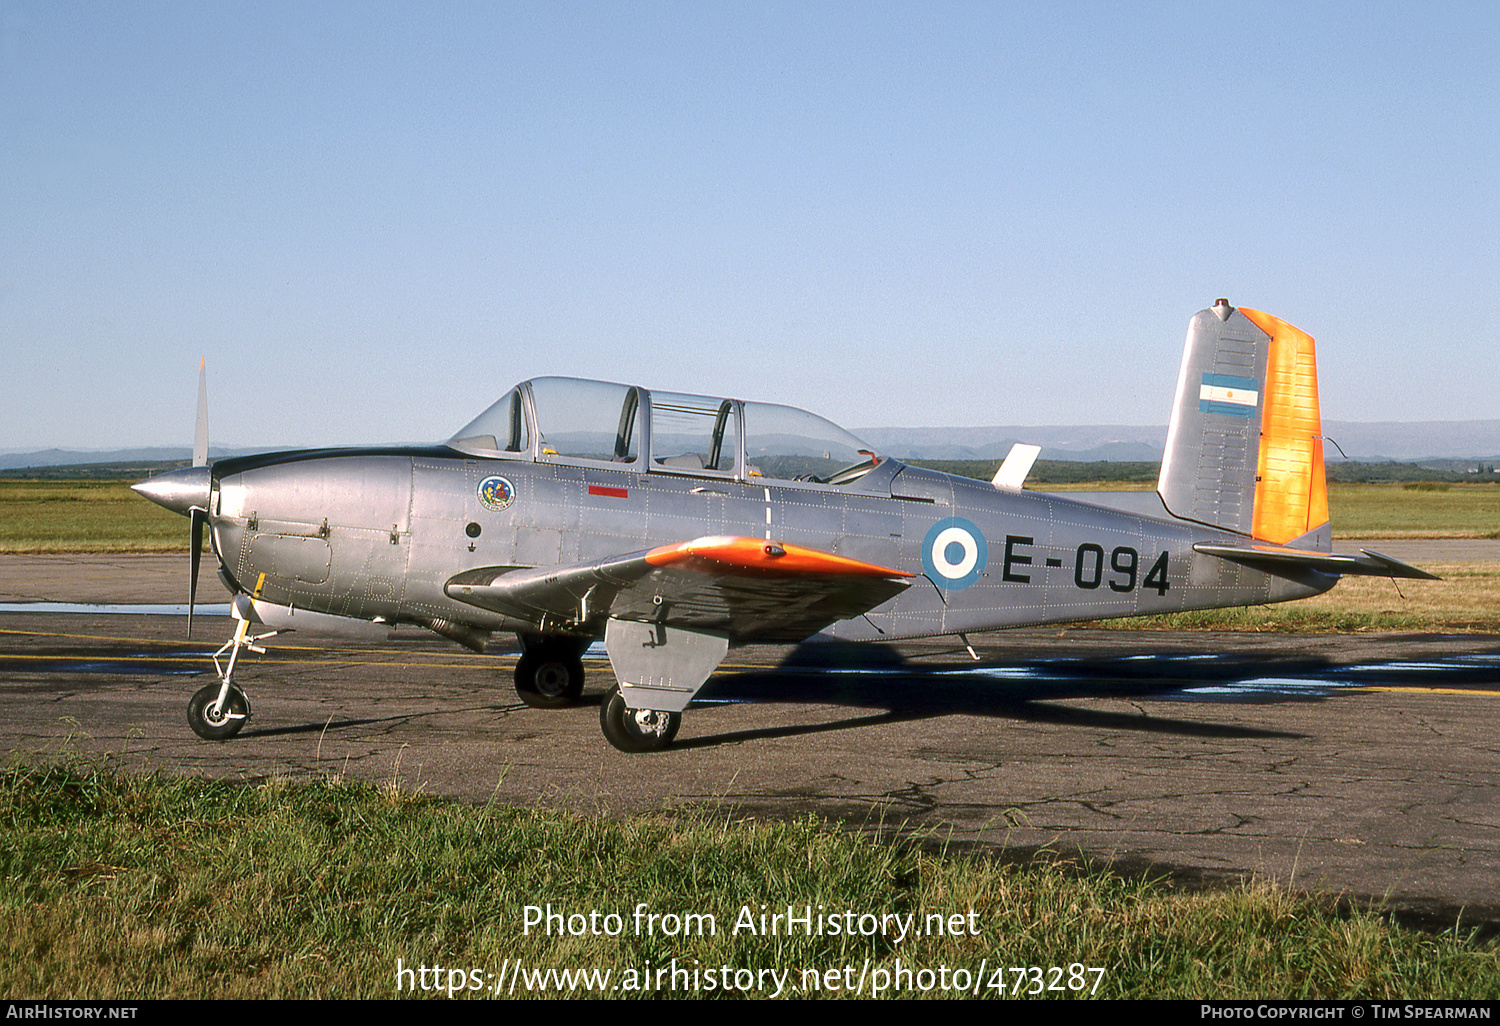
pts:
[200, 434]
[196, 519]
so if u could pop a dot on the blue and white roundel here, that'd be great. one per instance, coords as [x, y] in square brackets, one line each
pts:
[954, 553]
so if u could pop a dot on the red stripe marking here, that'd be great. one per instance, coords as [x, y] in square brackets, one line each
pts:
[613, 493]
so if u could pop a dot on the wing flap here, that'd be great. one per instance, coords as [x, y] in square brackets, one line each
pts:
[749, 588]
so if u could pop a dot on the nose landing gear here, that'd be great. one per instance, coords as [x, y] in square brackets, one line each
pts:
[219, 711]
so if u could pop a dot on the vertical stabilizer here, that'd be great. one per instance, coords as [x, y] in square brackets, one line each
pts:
[1245, 446]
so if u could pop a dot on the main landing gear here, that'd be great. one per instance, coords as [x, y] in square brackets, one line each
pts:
[549, 675]
[550, 672]
[636, 730]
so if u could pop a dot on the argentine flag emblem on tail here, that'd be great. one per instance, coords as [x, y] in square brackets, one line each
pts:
[1225, 393]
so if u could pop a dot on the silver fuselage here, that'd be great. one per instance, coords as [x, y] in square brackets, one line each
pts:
[376, 535]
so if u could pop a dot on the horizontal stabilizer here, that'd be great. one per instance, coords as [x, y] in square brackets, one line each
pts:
[1271, 558]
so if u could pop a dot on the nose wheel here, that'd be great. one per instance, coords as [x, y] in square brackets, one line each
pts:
[636, 730]
[216, 719]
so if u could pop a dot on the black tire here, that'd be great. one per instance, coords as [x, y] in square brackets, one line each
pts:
[227, 723]
[549, 677]
[635, 731]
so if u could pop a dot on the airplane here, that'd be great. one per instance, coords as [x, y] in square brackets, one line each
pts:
[674, 526]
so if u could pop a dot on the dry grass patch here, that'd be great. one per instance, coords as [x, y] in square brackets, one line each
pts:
[1466, 600]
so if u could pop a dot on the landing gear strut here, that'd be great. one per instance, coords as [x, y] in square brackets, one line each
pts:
[218, 711]
[550, 673]
[636, 730]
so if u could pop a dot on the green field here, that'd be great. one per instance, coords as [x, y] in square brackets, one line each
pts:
[1414, 511]
[1465, 600]
[140, 887]
[85, 516]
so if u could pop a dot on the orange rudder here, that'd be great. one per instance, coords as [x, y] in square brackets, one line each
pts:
[1291, 490]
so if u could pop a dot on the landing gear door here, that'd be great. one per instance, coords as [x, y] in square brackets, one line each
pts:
[660, 667]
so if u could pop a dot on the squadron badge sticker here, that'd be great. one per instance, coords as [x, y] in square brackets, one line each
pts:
[496, 493]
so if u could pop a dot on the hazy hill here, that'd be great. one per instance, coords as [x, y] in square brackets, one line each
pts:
[1465, 440]
[1427, 442]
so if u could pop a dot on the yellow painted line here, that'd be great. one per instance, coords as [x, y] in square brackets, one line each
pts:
[275, 645]
[204, 661]
[90, 637]
[1432, 691]
[285, 647]
[138, 641]
[344, 664]
[23, 657]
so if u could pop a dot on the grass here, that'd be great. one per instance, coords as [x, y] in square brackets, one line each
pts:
[1467, 599]
[139, 887]
[106, 516]
[1054, 475]
[85, 516]
[1413, 510]
[1397, 511]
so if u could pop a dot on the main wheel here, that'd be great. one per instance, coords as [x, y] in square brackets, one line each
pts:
[221, 724]
[636, 730]
[549, 677]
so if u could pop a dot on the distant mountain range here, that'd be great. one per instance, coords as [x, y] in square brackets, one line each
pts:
[1372, 443]
[1417, 442]
[16, 459]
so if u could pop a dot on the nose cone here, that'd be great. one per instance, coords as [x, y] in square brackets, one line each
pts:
[179, 491]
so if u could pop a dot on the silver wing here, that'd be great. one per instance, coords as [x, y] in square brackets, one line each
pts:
[669, 614]
[748, 589]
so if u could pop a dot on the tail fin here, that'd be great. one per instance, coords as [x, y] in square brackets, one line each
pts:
[1245, 447]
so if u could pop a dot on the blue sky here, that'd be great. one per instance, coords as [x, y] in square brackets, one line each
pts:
[372, 219]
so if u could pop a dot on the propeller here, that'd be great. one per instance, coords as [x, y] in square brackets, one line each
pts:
[198, 516]
[188, 491]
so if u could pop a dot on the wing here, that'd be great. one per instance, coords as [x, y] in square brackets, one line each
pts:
[747, 588]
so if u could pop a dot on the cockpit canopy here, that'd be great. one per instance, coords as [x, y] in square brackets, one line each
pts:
[574, 421]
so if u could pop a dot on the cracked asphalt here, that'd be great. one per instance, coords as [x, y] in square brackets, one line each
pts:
[1364, 765]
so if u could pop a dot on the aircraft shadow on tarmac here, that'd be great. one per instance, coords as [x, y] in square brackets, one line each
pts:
[878, 677]
[891, 688]
[886, 686]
